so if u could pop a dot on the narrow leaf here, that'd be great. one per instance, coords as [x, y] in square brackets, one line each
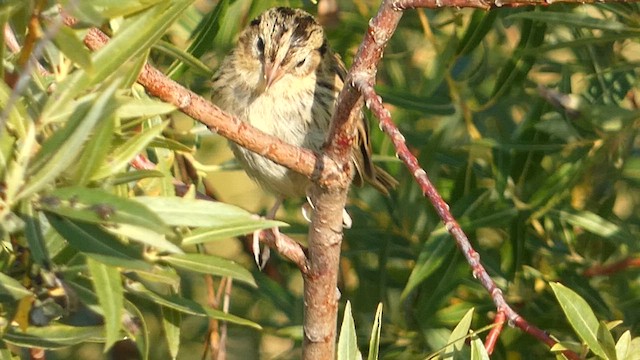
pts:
[97, 244]
[96, 151]
[176, 211]
[204, 235]
[580, 316]
[348, 341]
[54, 336]
[171, 320]
[606, 340]
[68, 150]
[100, 207]
[209, 264]
[574, 20]
[478, 351]
[623, 346]
[12, 287]
[34, 235]
[123, 154]
[108, 287]
[187, 306]
[66, 40]
[458, 336]
[374, 342]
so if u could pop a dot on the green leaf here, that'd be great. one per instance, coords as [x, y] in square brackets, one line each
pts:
[97, 244]
[209, 264]
[433, 254]
[205, 35]
[134, 37]
[53, 336]
[374, 342]
[208, 234]
[595, 224]
[96, 150]
[623, 346]
[348, 341]
[478, 351]
[143, 108]
[171, 320]
[66, 40]
[458, 336]
[606, 340]
[34, 235]
[187, 306]
[184, 58]
[580, 316]
[99, 207]
[123, 154]
[477, 29]
[132, 176]
[176, 211]
[111, 9]
[108, 287]
[581, 20]
[12, 287]
[64, 150]
[145, 236]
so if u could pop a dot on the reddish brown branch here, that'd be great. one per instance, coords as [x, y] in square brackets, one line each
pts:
[479, 4]
[374, 102]
[494, 334]
[325, 234]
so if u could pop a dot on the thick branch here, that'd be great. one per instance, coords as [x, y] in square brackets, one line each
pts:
[325, 234]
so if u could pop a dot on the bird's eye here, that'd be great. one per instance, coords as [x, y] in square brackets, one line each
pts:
[260, 45]
[301, 63]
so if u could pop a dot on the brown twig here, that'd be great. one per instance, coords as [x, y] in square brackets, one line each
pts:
[479, 4]
[609, 269]
[378, 33]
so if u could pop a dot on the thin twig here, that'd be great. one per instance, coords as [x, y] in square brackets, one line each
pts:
[374, 102]
[609, 269]
[494, 334]
[479, 4]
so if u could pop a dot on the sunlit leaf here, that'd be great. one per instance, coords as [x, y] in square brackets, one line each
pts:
[54, 336]
[171, 320]
[108, 287]
[580, 316]
[12, 287]
[190, 307]
[348, 341]
[374, 342]
[209, 264]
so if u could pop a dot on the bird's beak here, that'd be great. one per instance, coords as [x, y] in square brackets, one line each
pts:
[272, 72]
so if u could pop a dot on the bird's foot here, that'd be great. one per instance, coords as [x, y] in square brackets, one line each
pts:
[307, 213]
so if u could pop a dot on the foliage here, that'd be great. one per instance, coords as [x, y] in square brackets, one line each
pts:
[525, 119]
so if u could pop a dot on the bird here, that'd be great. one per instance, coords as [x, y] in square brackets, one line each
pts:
[283, 78]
